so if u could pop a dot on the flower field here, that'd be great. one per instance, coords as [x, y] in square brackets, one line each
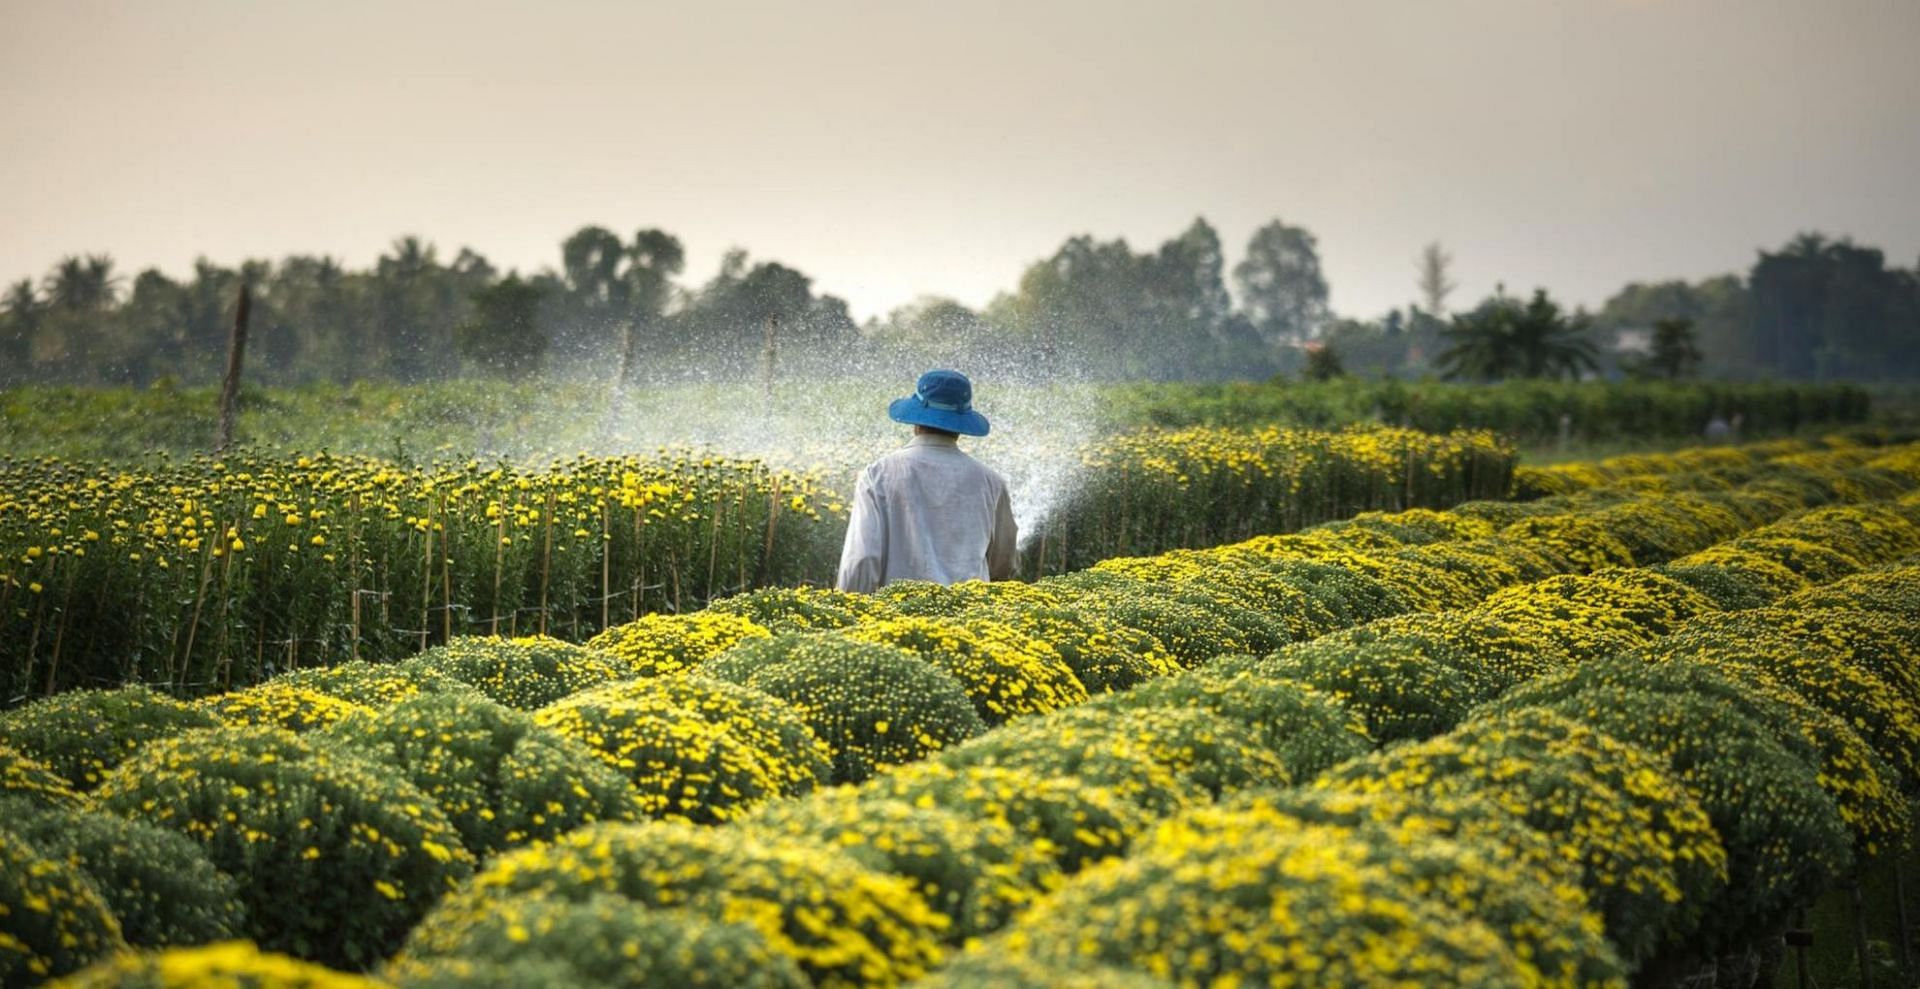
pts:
[1609, 733]
[207, 574]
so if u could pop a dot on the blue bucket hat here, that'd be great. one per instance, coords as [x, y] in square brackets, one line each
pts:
[942, 400]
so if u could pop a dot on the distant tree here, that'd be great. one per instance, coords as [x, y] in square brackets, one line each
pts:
[1435, 285]
[1673, 353]
[1505, 339]
[79, 293]
[502, 334]
[1281, 286]
[1323, 363]
[20, 315]
[1715, 307]
[1823, 308]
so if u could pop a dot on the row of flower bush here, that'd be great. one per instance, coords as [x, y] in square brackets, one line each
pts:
[208, 574]
[406, 773]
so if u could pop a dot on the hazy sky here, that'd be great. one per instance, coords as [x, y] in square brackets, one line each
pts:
[890, 149]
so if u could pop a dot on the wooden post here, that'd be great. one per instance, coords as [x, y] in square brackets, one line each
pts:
[230, 389]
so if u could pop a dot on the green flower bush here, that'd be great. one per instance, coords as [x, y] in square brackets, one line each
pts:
[228, 965]
[1350, 597]
[1585, 544]
[1581, 629]
[658, 645]
[372, 684]
[1190, 633]
[1073, 822]
[277, 705]
[600, 939]
[24, 776]
[501, 780]
[1864, 787]
[1103, 657]
[1397, 689]
[843, 924]
[976, 871]
[1651, 861]
[1240, 624]
[1657, 604]
[157, 884]
[52, 919]
[80, 734]
[336, 856]
[989, 966]
[694, 748]
[1160, 758]
[1283, 613]
[802, 609]
[1465, 855]
[526, 673]
[1894, 590]
[874, 706]
[1816, 563]
[1784, 836]
[1005, 672]
[1199, 909]
[1308, 730]
[1746, 579]
[1807, 664]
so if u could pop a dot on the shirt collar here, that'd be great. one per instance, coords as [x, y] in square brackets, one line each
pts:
[934, 439]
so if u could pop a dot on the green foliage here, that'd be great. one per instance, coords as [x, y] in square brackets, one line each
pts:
[977, 871]
[227, 965]
[278, 705]
[1005, 672]
[1160, 758]
[600, 939]
[502, 335]
[1651, 861]
[80, 734]
[1392, 685]
[55, 920]
[694, 748]
[500, 780]
[525, 673]
[804, 609]
[988, 966]
[1074, 822]
[24, 776]
[874, 706]
[1784, 836]
[843, 924]
[1199, 907]
[157, 884]
[372, 684]
[1465, 855]
[335, 857]
[1307, 730]
[1504, 338]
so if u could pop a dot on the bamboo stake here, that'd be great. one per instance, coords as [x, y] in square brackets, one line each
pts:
[446, 577]
[606, 569]
[499, 563]
[60, 633]
[546, 561]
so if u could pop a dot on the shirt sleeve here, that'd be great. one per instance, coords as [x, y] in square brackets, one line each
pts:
[863, 559]
[1003, 556]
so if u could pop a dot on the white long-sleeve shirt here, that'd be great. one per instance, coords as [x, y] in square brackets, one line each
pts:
[927, 511]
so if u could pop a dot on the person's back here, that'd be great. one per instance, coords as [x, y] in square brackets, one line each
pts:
[928, 511]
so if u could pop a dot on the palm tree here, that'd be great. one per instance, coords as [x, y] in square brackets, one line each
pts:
[1504, 339]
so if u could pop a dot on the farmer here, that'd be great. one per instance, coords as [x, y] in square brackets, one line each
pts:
[927, 511]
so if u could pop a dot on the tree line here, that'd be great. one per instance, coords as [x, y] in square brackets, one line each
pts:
[617, 304]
